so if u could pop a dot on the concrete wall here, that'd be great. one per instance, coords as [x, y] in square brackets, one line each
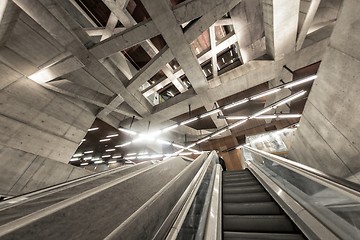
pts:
[39, 130]
[329, 137]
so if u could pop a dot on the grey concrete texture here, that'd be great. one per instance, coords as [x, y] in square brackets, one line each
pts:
[328, 137]
[101, 213]
[22, 172]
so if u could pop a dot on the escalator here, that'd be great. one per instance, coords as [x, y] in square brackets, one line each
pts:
[249, 212]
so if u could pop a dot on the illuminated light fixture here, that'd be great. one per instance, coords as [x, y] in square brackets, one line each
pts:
[105, 156]
[112, 161]
[219, 132]
[231, 53]
[289, 99]
[266, 93]
[237, 124]
[78, 155]
[210, 113]
[223, 60]
[295, 83]
[143, 153]
[170, 94]
[189, 120]
[178, 146]
[127, 131]
[143, 157]
[130, 154]
[163, 142]
[95, 159]
[209, 71]
[191, 145]
[217, 65]
[289, 115]
[194, 151]
[87, 158]
[236, 103]
[266, 117]
[74, 159]
[176, 153]
[88, 152]
[203, 140]
[123, 145]
[84, 164]
[236, 117]
[110, 150]
[170, 128]
[156, 156]
[204, 72]
[98, 162]
[130, 158]
[169, 154]
[83, 140]
[185, 153]
[115, 157]
[113, 135]
[93, 129]
[105, 140]
[260, 112]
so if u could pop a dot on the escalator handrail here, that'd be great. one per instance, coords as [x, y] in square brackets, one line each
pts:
[344, 186]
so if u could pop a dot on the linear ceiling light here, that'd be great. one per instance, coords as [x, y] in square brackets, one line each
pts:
[127, 131]
[210, 113]
[289, 99]
[170, 128]
[234, 125]
[266, 93]
[289, 115]
[189, 121]
[236, 103]
[298, 82]
[123, 145]
[93, 129]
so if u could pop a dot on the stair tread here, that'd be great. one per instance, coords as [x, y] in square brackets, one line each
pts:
[257, 236]
[259, 208]
[258, 223]
[248, 197]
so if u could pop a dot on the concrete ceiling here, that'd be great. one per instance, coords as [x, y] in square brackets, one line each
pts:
[117, 56]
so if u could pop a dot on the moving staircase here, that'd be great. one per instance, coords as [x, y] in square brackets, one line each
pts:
[249, 212]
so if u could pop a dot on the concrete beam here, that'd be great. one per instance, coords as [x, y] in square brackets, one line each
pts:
[111, 106]
[110, 26]
[9, 14]
[128, 38]
[150, 69]
[51, 24]
[281, 23]
[310, 14]
[99, 31]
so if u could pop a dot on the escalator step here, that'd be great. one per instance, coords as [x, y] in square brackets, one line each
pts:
[243, 189]
[261, 236]
[232, 180]
[248, 197]
[261, 208]
[258, 223]
[239, 184]
[238, 175]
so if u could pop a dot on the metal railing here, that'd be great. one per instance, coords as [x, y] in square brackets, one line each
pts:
[344, 186]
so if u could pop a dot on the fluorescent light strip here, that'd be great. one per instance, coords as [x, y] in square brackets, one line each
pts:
[260, 112]
[110, 150]
[236, 103]
[210, 113]
[88, 152]
[95, 159]
[289, 115]
[298, 82]
[98, 162]
[83, 140]
[266, 93]
[203, 140]
[74, 159]
[93, 129]
[236, 124]
[191, 145]
[113, 135]
[115, 157]
[87, 158]
[289, 99]
[178, 146]
[219, 132]
[105, 156]
[84, 164]
[77, 155]
[236, 117]
[189, 121]
[127, 131]
[105, 140]
[112, 161]
[130, 154]
[123, 145]
[266, 117]
[130, 158]
[170, 128]
[185, 153]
